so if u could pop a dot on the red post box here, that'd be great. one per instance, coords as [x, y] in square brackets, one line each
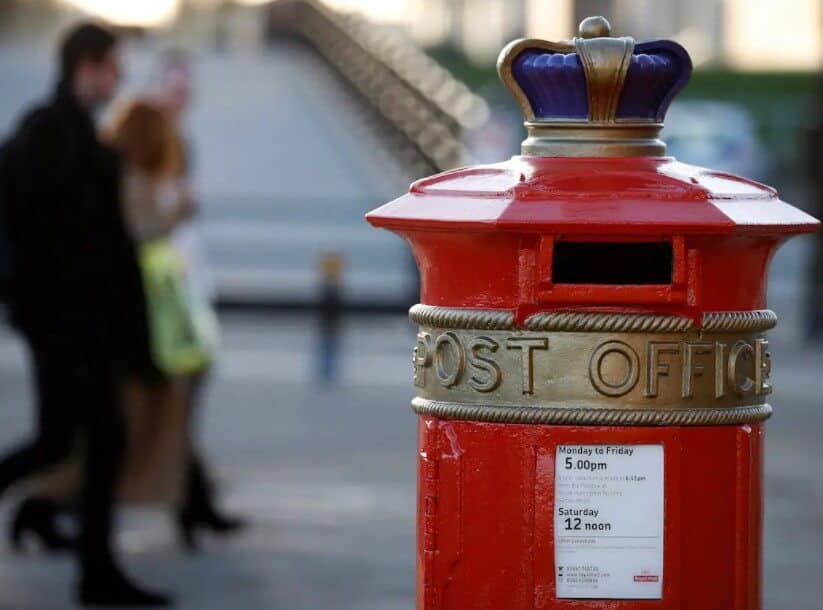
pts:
[591, 370]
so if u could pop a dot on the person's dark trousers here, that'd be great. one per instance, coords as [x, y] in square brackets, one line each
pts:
[77, 394]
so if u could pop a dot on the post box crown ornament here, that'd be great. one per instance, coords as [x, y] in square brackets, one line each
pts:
[595, 95]
[590, 364]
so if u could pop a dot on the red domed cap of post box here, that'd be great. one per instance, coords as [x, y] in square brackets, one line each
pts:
[593, 215]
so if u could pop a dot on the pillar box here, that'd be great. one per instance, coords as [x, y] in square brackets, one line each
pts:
[591, 368]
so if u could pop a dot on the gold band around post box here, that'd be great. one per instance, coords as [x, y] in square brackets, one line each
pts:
[591, 368]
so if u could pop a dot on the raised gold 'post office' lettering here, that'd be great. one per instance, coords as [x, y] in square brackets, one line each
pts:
[740, 352]
[763, 367]
[448, 342]
[421, 358]
[485, 364]
[692, 368]
[631, 363]
[655, 368]
[611, 371]
[527, 345]
[719, 369]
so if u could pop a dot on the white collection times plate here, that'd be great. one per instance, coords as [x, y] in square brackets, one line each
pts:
[608, 521]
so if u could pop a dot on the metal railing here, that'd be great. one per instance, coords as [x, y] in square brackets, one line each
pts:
[425, 107]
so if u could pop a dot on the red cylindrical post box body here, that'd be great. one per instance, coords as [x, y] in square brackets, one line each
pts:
[591, 367]
[486, 514]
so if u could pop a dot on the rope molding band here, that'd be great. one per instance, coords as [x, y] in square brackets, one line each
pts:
[608, 322]
[447, 317]
[503, 319]
[592, 416]
[734, 321]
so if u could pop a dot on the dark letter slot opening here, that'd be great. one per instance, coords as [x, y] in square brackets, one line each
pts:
[612, 263]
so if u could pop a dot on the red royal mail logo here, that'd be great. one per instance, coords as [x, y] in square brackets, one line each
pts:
[646, 578]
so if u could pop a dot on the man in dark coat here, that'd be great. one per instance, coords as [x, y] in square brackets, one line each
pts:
[74, 281]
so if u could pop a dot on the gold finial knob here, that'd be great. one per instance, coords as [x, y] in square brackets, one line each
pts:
[595, 27]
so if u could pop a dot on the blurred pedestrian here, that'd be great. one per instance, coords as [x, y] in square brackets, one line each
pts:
[74, 275]
[159, 206]
[176, 322]
[199, 511]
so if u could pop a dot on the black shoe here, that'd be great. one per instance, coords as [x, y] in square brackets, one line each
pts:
[190, 521]
[108, 586]
[36, 518]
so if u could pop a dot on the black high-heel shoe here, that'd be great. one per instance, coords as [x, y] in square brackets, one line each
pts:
[104, 584]
[190, 521]
[199, 511]
[37, 518]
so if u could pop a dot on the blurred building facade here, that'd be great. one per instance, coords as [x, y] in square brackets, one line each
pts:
[739, 34]
[760, 35]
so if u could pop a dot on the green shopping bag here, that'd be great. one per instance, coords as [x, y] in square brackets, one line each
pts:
[182, 325]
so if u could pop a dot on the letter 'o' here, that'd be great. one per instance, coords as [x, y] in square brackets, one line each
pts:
[632, 368]
[448, 378]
